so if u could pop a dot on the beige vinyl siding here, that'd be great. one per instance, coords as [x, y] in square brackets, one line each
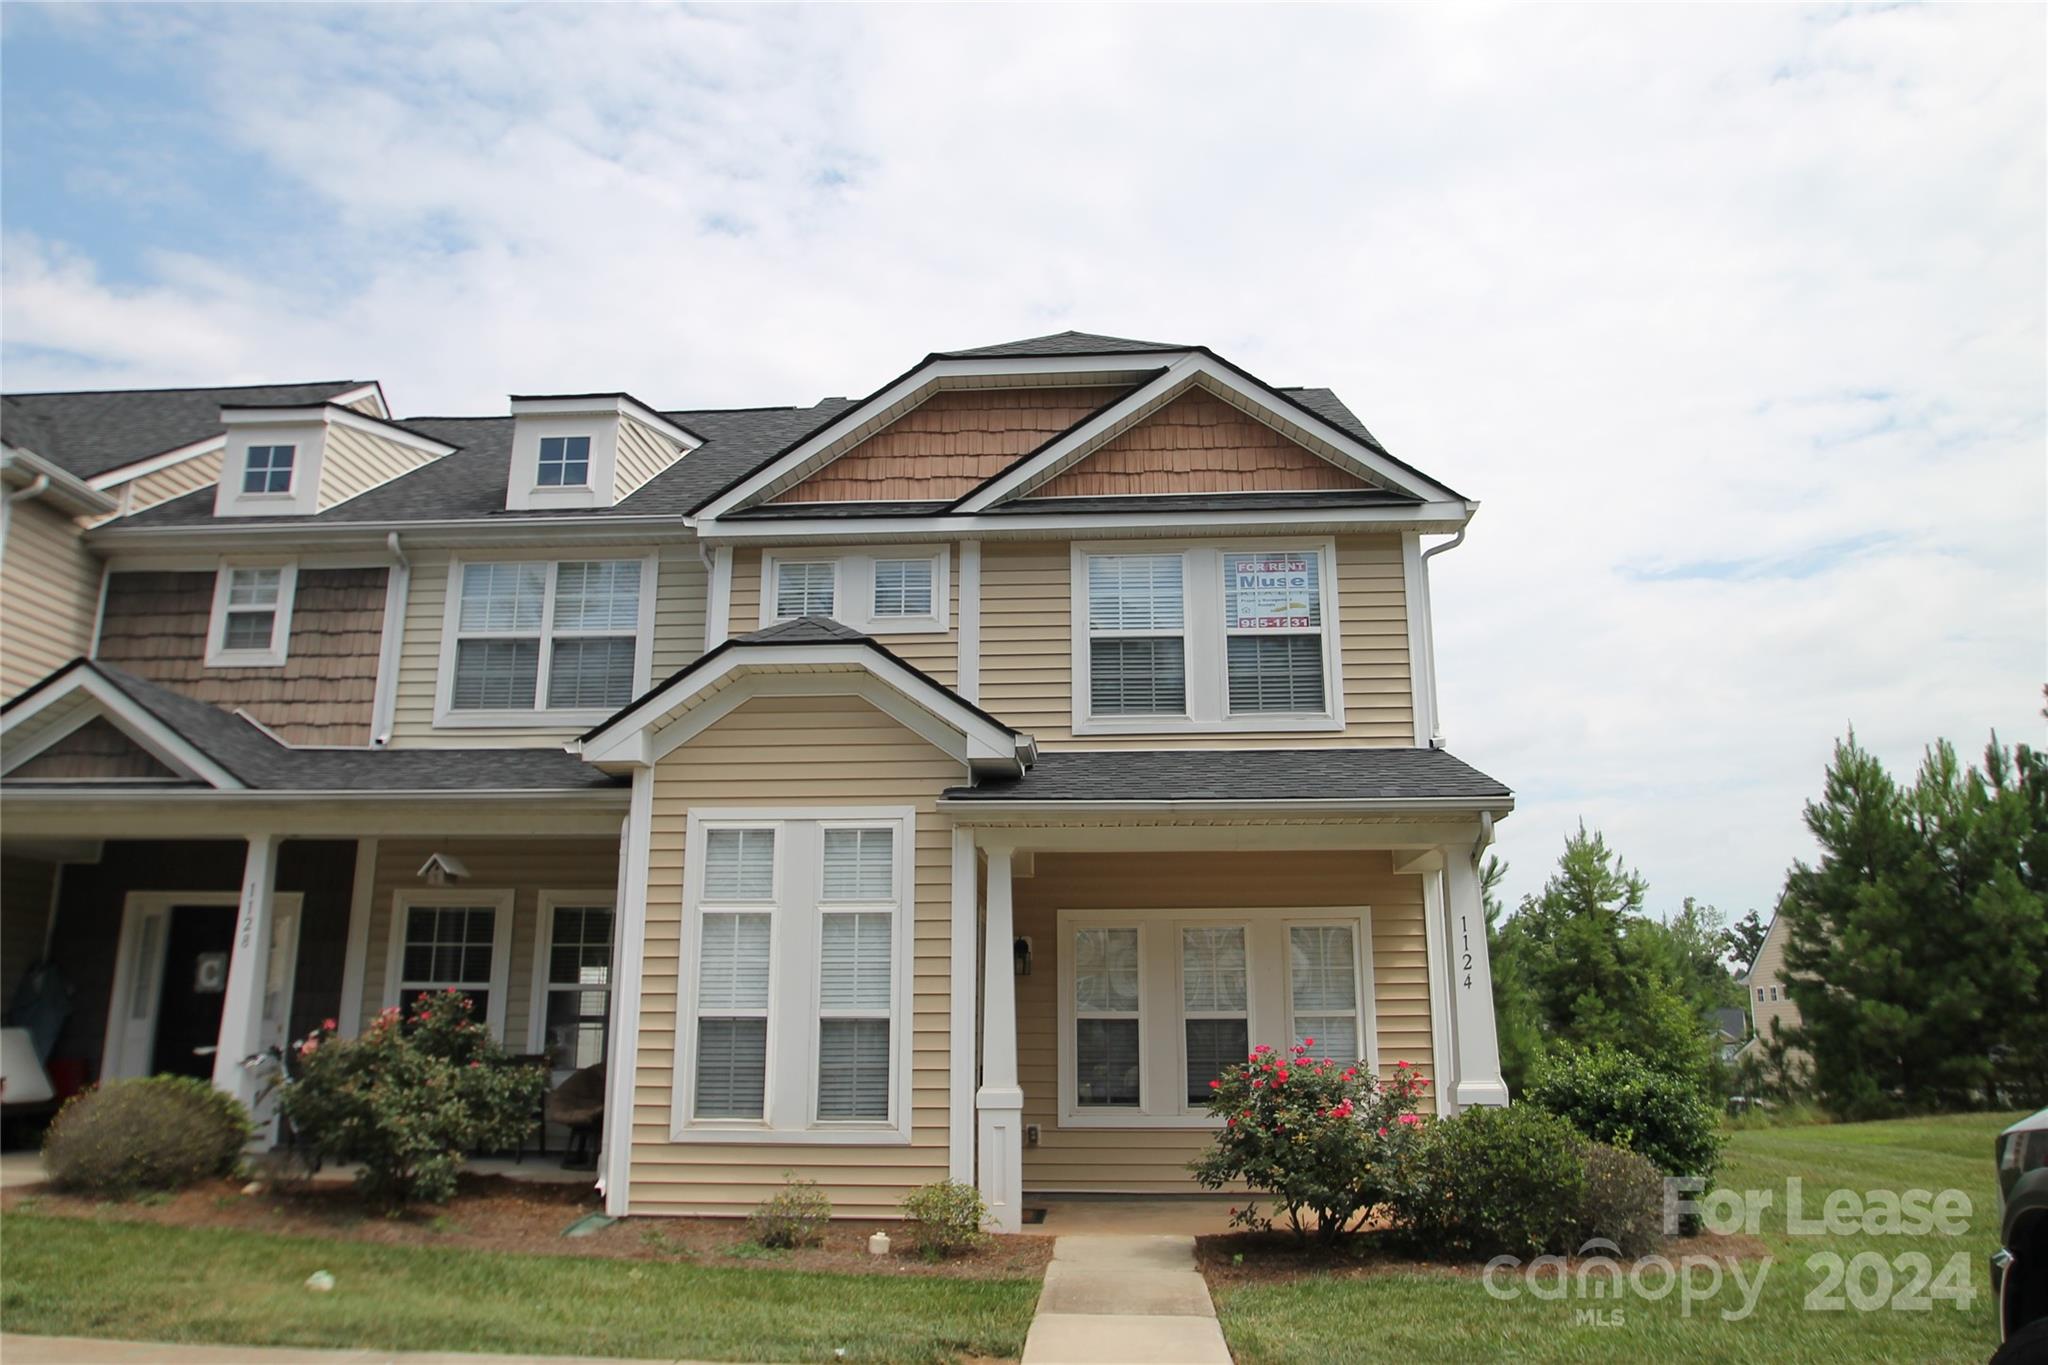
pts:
[161, 485]
[49, 594]
[526, 867]
[1027, 651]
[795, 752]
[934, 652]
[643, 453]
[1767, 1015]
[678, 636]
[355, 461]
[1155, 1160]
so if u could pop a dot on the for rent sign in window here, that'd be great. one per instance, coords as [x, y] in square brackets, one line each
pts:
[1273, 592]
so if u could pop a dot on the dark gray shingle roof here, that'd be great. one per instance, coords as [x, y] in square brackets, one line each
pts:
[1137, 775]
[89, 434]
[1208, 502]
[1064, 343]
[261, 762]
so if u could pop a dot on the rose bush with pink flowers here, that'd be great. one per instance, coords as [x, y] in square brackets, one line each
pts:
[1320, 1138]
[408, 1099]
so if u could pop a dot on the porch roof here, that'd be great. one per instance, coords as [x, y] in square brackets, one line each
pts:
[1240, 777]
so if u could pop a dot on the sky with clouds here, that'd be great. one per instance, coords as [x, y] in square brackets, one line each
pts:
[1731, 317]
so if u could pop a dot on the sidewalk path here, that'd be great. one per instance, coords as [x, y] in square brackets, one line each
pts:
[21, 1350]
[1124, 1301]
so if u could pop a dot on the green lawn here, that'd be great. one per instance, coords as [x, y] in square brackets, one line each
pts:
[1438, 1316]
[66, 1276]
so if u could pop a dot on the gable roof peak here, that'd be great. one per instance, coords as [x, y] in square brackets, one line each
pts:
[1063, 343]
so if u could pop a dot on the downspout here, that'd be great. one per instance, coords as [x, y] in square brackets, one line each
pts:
[396, 593]
[34, 488]
[1436, 715]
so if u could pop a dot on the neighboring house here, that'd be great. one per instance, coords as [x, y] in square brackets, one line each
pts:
[947, 782]
[1771, 1010]
[1731, 1031]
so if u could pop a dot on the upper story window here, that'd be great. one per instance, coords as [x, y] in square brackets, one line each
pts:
[252, 613]
[564, 462]
[1204, 638]
[268, 469]
[898, 591]
[527, 636]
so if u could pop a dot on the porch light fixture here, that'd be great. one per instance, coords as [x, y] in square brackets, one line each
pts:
[442, 869]
[1022, 950]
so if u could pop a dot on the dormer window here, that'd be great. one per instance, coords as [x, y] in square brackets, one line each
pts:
[269, 469]
[252, 616]
[564, 462]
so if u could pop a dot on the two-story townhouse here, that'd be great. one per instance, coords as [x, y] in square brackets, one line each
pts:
[948, 782]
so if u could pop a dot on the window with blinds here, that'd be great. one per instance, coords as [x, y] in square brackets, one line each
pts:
[854, 1000]
[739, 865]
[1215, 1004]
[903, 587]
[1137, 647]
[805, 588]
[250, 623]
[1106, 1034]
[537, 635]
[1273, 628]
[732, 1015]
[1322, 989]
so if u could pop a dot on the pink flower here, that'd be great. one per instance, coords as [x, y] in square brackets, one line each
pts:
[1258, 1083]
[1383, 1132]
[328, 1024]
[1411, 1119]
[1280, 1076]
[1261, 1050]
[474, 1065]
[1305, 1045]
[1349, 1075]
[1215, 1085]
[1402, 1065]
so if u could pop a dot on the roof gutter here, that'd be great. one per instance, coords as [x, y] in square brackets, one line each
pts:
[1483, 806]
[614, 796]
[36, 477]
[219, 534]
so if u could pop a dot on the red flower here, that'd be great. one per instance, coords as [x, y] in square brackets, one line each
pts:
[1349, 1075]
[328, 1024]
[1306, 1044]
[1402, 1065]
[1215, 1085]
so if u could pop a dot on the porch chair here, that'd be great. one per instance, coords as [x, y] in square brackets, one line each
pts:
[578, 1105]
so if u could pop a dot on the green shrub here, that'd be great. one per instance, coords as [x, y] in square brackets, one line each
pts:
[794, 1216]
[1322, 1139]
[154, 1133]
[408, 1100]
[1617, 1098]
[1493, 1181]
[945, 1218]
[1623, 1201]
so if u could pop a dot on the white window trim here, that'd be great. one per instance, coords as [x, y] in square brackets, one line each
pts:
[853, 588]
[1205, 635]
[499, 901]
[605, 897]
[291, 484]
[589, 462]
[1162, 1072]
[446, 717]
[217, 653]
[789, 1105]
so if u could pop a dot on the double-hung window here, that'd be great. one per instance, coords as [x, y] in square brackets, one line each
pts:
[1204, 637]
[564, 462]
[1137, 627]
[268, 469]
[1108, 1034]
[1322, 990]
[456, 941]
[572, 1025]
[1215, 988]
[794, 1005]
[529, 635]
[900, 591]
[252, 609]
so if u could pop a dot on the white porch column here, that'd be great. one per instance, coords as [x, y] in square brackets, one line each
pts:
[241, 1013]
[1477, 1070]
[999, 1104]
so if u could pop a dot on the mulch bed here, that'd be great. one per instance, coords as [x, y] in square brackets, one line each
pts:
[493, 1213]
[1245, 1258]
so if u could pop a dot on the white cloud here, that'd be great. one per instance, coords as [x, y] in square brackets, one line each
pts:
[1733, 318]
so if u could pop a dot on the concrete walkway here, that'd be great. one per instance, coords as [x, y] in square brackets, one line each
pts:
[21, 1350]
[1124, 1301]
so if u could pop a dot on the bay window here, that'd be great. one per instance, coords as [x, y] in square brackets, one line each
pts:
[1154, 1005]
[529, 636]
[1204, 638]
[795, 1012]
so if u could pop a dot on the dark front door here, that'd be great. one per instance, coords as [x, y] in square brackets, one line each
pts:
[195, 985]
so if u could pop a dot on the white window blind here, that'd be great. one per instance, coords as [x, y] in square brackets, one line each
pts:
[860, 864]
[903, 587]
[855, 968]
[1273, 623]
[732, 1015]
[1106, 1003]
[1137, 650]
[577, 623]
[1323, 989]
[1215, 1004]
[805, 589]
[739, 865]
[251, 619]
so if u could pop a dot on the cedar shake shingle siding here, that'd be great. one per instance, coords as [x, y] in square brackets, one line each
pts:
[155, 626]
[96, 750]
[1197, 444]
[951, 443]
